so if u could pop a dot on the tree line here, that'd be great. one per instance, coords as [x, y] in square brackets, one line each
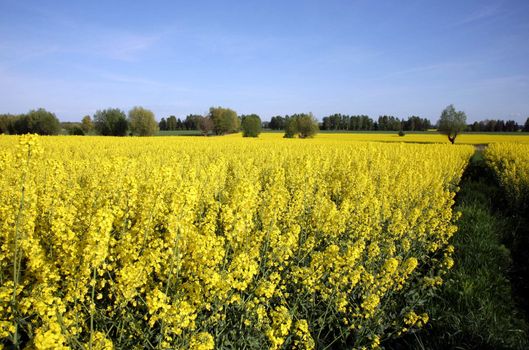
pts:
[107, 122]
[138, 121]
[219, 121]
[490, 125]
[343, 122]
[37, 121]
[191, 122]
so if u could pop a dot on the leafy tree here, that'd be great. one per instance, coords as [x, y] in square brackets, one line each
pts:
[339, 121]
[251, 125]
[192, 122]
[476, 126]
[4, 124]
[38, 121]
[162, 124]
[303, 125]
[142, 122]
[290, 127]
[389, 122]
[171, 123]
[277, 123]
[511, 126]
[360, 122]
[86, 124]
[415, 123]
[307, 125]
[526, 125]
[111, 122]
[488, 125]
[491, 125]
[224, 120]
[7, 123]
[452, 123]
[72, 128]
[205, 125]
[330, 122]
[179, 124]
[76, 130]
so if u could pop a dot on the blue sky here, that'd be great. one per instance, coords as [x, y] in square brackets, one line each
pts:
[398, 58]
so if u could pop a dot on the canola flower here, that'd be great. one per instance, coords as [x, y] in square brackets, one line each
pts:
[410, 137]
[205, 243]
[510, 163]
[433, 137]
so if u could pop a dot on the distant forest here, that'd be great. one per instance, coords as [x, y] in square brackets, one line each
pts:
[46, 123]
[343, 122]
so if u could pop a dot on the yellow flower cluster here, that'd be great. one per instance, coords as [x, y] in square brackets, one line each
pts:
[202, 341]
[510, 162]
[202, 243]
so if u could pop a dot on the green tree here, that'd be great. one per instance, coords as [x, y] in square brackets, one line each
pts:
[452, 123]
[526, 125]
[86, 124]
[76, 130]
[191, 122]
[303, 125]
[224, 120]
[171, 123]
[307, 125]
[205, 124]
[179, 124]
[415, 123]
[277, 123]
[142, 122]
[162, 124]
[251, 125]
[72, 128]
[7, 123]
[389, 122]
[290, 127]
[511, 126]
[111, 122]
[38, 121]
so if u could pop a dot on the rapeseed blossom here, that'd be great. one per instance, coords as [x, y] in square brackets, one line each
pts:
[510, 163]
[213, 242]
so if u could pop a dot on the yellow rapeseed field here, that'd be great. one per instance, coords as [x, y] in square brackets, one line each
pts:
[510, 162]
[466, 138]
[225, 242]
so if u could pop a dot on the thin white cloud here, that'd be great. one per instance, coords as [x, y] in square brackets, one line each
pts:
[482, 13]
[427, 69]
[71, 37]
[13, 53]
[118, 78]
[120, 46]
